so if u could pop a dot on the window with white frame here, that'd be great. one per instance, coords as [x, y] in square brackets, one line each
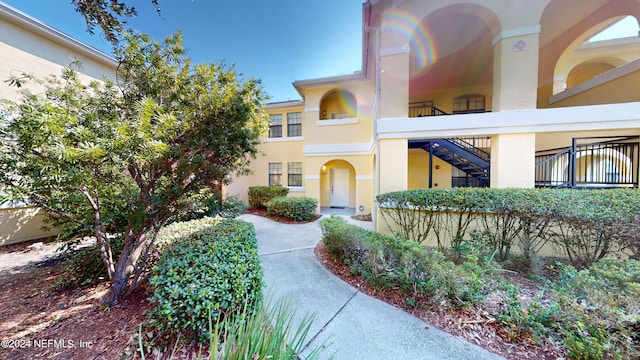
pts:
[471, 103]
[275, 126]
[294, 124]
[275, 174]
[294, 173]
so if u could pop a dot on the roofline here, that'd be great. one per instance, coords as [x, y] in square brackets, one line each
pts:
[36, 26]
[284, 104]
[299, 84]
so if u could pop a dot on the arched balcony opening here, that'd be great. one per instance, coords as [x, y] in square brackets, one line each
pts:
[338, 104]
[446, 64]
[581, 51]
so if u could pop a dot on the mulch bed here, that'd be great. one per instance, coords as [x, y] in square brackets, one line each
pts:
[44, 323]
[280, 219]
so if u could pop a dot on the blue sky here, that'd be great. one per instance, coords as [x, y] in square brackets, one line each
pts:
[278, 41]
[627, 27]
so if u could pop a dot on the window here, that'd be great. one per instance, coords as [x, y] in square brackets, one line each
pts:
[466, 104]
[275, 174]
[275, 127]
[294, 124]
[294, 174]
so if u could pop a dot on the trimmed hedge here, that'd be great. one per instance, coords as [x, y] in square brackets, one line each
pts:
[259, 196]
[384, 262]
[583, 225]
[296, 208]
[213, 270]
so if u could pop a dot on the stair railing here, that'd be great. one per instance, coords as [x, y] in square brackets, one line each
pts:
[474, 145]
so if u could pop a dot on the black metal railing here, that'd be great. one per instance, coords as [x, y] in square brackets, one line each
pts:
[468, 181]
[424, 108]
[606, 162]
[477, 145]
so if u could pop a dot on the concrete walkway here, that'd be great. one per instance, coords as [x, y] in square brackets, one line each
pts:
[352, 324]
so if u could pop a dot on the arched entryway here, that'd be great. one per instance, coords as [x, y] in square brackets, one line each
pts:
[338, 187]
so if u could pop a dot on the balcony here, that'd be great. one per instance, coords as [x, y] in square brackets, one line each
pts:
[424, 108]
[461, 105]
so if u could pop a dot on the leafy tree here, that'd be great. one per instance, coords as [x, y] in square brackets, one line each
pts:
[107, 15]
[120, 159]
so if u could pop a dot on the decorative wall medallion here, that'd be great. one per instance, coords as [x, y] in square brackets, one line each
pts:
[520, 45]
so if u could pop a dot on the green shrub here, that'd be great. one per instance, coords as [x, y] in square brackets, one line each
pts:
[84, 266]
[384, 262]
[600, 312]
[269, 332]
[209, 203]
[583, 225]
[266, 334]
[210, 272]
[296, 208]
[259, 196]
[533, 321]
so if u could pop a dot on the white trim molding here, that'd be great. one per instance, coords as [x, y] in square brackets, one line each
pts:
[576, 118]
[510, 33]
[608, 76]
[345, 121]
[312, 177]
[296, 188]
[283, 139]
[19, 18]
[311, 109]
[364, 177]
[338, 149]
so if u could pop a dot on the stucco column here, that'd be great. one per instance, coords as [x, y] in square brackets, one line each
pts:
[394, 165]
[394, 82]
[515, 69]
[364, 190]
[513, 160]
[312, 187]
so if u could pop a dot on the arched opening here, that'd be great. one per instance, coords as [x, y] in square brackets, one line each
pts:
[338, 185]
[587, 70]
[338, 104]
[581, 41]
[444, 64]
[596, 168]
[585, 59]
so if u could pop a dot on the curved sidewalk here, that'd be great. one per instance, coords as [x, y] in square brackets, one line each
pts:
[352, 324]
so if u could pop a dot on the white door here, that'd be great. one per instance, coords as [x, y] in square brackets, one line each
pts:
[339, 187]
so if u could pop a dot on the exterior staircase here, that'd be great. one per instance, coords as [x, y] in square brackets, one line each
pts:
[466, 154]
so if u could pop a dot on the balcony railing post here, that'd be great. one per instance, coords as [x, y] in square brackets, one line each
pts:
[572, 164]
[430, 164]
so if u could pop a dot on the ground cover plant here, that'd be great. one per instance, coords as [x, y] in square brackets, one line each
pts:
[387, 262]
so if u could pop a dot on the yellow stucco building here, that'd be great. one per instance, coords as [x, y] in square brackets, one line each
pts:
[29, 46]
[499, 93]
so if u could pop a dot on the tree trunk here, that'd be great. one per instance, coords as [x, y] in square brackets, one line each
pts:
[120, 285]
